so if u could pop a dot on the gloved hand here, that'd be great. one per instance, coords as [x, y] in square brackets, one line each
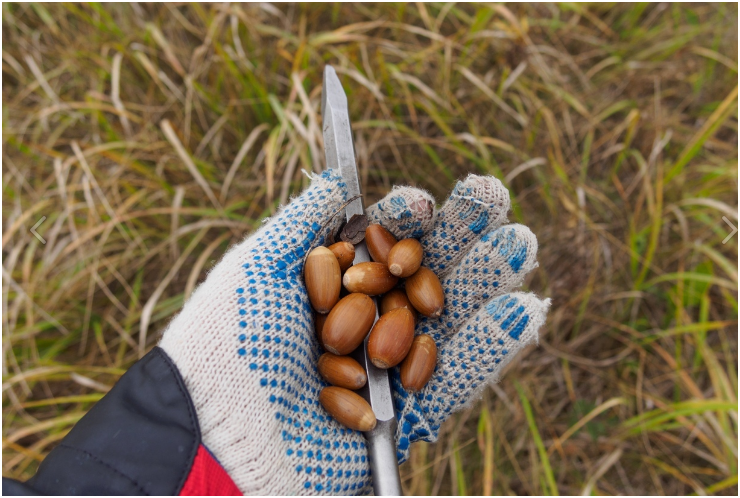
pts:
[246, 348]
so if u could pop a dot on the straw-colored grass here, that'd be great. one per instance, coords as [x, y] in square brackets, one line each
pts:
[152, 137]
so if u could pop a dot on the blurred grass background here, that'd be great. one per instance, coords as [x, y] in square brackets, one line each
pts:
[152, 137]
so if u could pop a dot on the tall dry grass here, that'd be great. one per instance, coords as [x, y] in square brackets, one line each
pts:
[152, 137]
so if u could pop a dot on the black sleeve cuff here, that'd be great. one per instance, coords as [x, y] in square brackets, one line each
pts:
[140, 439]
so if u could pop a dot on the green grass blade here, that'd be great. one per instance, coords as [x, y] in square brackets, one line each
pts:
[551, 487]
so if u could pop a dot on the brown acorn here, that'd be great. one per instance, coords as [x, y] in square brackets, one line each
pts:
[348, 408]
[369, 278]
[348, 323]
[393, 299]
[342, 371]
[391, 338]
[418, 366]
[405, 258]
[319, 321]
[379, 243]
[425, 292]
[323, 279]
[345, 253]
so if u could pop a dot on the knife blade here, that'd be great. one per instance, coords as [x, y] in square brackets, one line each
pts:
[340, 154]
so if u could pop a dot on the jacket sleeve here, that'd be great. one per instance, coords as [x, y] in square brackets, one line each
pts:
[142, 438]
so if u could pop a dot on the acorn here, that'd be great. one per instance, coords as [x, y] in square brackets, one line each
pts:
[418, 366]
[319, 321]
[379, 243]
[369, 278]
[323, 279]
[405, 258]
[425, 292]
[393, 299]
[348, 323]
[348, 408]
[342, 371]
[391, 338]
[345, 254]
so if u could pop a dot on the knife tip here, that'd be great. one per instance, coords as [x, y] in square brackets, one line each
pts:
[332, 92]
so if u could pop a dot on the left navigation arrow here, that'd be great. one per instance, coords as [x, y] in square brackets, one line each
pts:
[35, 233]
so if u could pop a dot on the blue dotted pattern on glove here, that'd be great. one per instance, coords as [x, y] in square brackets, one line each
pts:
[504, 239]
[395, 207]
[468, 356]
[465, 361]
[278, 341]
[475, 272]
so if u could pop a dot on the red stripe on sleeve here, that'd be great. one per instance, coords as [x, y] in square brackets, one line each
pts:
[208, 478]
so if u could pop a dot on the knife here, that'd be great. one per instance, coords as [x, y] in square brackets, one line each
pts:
[340, 154]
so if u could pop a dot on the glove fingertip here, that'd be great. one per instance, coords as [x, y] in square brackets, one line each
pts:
[405, 212]
[477, 204]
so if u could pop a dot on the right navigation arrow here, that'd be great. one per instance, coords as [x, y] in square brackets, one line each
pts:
[734, 230]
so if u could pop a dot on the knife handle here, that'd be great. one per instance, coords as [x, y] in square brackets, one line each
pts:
[381, 443]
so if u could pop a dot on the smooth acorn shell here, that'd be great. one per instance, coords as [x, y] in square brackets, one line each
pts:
[379, 243]
[342, 371]
[323, 279]
[348, 323]
[369, 278]
[418, 367]
[391, 338]
[319, 321]
[345, 254]
[405, 258]
[348, 408]
[393, 299]
[425, 292]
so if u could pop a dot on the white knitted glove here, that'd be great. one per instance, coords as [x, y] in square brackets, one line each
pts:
[245, 344]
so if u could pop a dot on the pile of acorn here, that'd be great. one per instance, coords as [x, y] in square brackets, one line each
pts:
[343, 324]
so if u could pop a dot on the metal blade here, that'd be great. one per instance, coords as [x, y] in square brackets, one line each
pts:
[338, 142]
[340, 154]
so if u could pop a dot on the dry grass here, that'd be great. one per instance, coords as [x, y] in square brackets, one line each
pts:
[153, 137]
